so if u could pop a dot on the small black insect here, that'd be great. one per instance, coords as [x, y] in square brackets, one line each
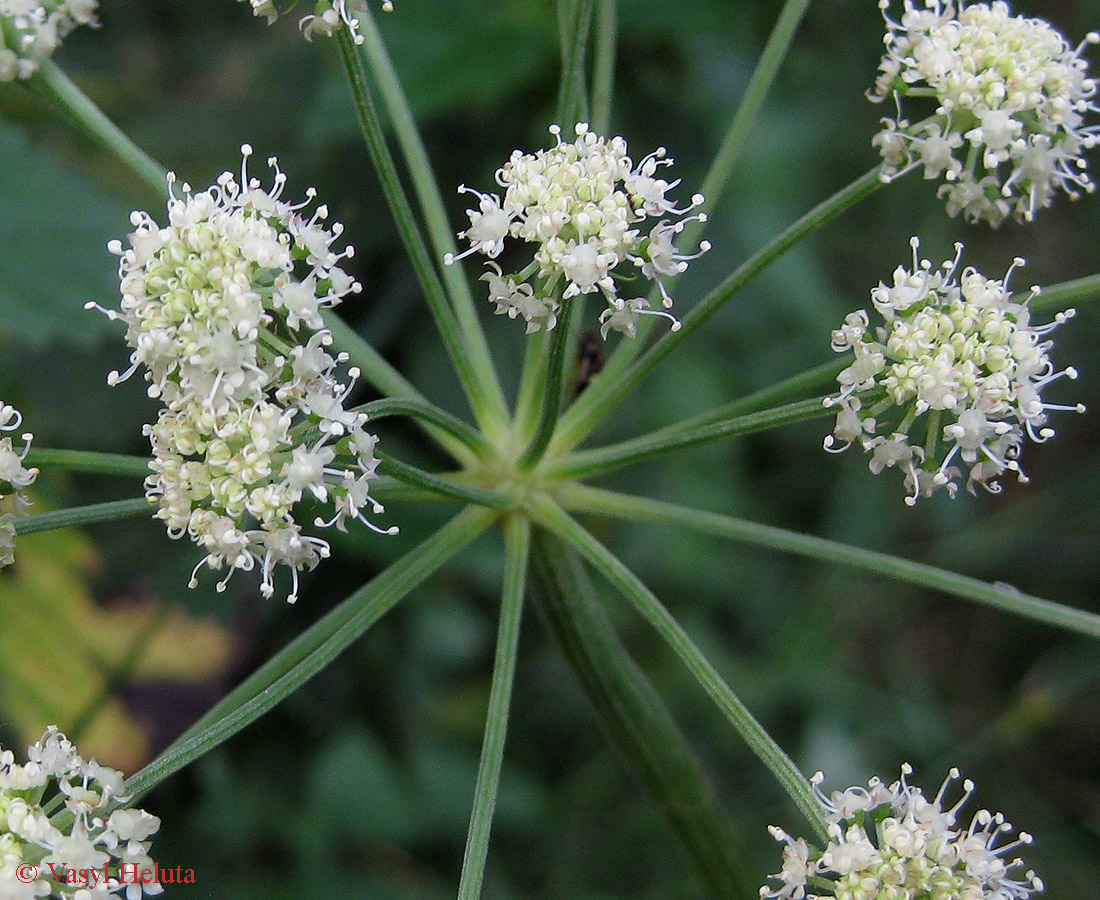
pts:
[590, 359]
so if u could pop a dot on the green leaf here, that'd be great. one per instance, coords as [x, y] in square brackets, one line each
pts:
[54, 227]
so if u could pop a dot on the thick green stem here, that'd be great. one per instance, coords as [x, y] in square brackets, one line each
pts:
[999, 596]
[532, 380]
[635, 718]
[812, 380]
[312, 650]
[53, 84]
[616, 381]
[385, 378]
[552, 389]
[433, 415]
[551, 516]
[376, 370]
[603, 75]
[721, 168]
[110, 511]
[763, 77]
[575, 19]
[675, 437]
[89, 461]
[446, 487]
[517, 540]
[1060, 296]
[427, 193]
[475, 372]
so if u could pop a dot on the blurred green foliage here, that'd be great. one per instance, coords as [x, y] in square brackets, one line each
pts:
[360, 784]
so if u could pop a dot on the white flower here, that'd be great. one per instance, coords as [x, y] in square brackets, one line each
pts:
[952, 376]
[30, 32]
[893, 842]
[582, 205]
[1011, 96]
[14, 478]
[78, 834]
[328, 16]
[223, 309]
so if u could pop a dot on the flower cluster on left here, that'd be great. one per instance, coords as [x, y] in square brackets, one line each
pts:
[30, 32]
[14, 477]
[223, 310]
[56, 819]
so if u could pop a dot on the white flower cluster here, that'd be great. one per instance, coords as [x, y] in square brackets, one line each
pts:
[962, 357]
[581, 204]
[893, 842]
[328, 16]
[1011, 97]
[58, 833]
[14, 477]
[223, 309]
[30, 32]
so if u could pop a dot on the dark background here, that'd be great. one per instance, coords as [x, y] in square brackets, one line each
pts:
[360, 784]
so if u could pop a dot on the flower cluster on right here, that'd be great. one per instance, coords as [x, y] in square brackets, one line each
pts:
[893, 843]
[1011, 96]
[953, 377]
[30, 32]
[61, 826]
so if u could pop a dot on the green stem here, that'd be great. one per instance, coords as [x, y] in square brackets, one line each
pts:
[376, 370]
[532, 382]
[603, 76]
[89, 461]
[676, 437]
[552, 517]
[517, 539]
[763, 77]
[998, 596]
[575, 18]
[635, 719]
[427, 412]
[390, 490]
[431, 201]
[812, 380]
[445, 486]
[1060, 296]
[54, 85]
[110, 511]
[313, 649]
[476, 374]
[385, 378]
[721, 168]
[552, 389]
[616, 381]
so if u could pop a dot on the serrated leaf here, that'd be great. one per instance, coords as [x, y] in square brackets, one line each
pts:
[54, 227]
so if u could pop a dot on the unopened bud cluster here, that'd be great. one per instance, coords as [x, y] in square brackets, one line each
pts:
[30, 32]
[582, 204]
[14, 478]
[328, 16]
[60, 813]
[893, 842]
[223, 310]
[1010, 99]
[952, 378]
